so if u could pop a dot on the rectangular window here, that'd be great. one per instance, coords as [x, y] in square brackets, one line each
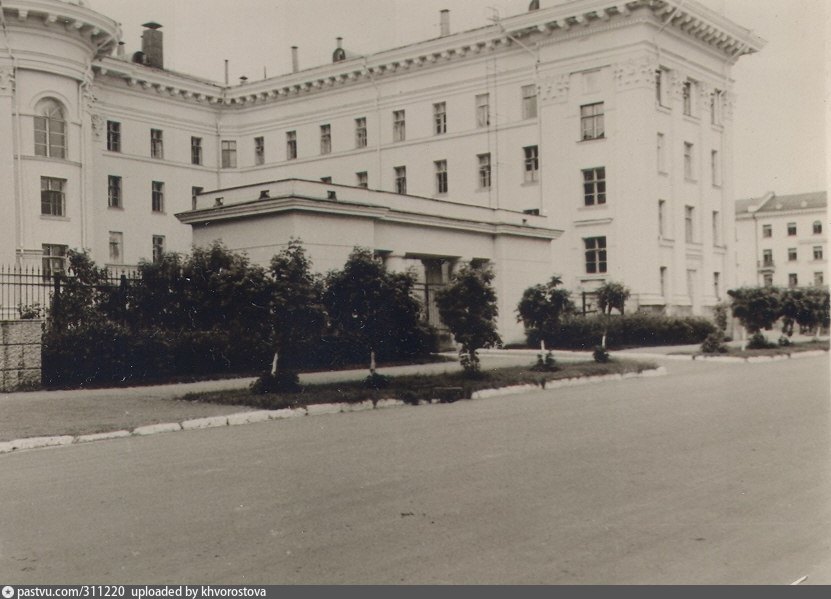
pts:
[662, 160]
[196, 150]
[687, 90]
[158, 248]
[817, 227]
[716, 228]
[818, 252]
[716, 99]
[791, 229]
[717, 284]
[113, 136]
[116, 247]
[767, 280]
[819, 279]
[52, 196]
[156, 143]
[440, 118]
[291, 145]
[53, 260]
[715, 168]
[325, 139]
[689, 224]
[689, 166]
[483, 111]
[663, 275]
[50, 136]
[229, 154]
[259, 151]
[662, 218]
[767, 231]
[793, 280]
[113, 191]
[531, 164]
[767, 258]
[399, 125]
[157, 202]
[591, 121]
[360, 132]
[529, 101]
[595, 254]
[401, 179]
[662, 87]
[484, 171]
[594, 186]
[791, 254]
[441, 176]
[362, 179]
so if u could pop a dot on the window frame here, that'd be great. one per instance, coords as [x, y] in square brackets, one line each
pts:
[767, 231]
[816, 227]
[792, 230]
[484, 170]
[291, 145]
[441, 177]
[196, 150]
[53, 259]
[361, 134]
[399, 125]
[792, 255]
[115, 187]
[596, 256]
[592, 123]
[439, 118]
[594, 186]
[689, 161]
[483, 111]
[689, 224]
[818, 252]
[50, 125]
[400, 179]
[228, 153]
[53, 199]
[158, 248]
[531, 164]
[157, 144]
[157, 197]
[116, 240]
[259, 150]
[325, 139]
[114, 136]
[362, 179]
[530, 109]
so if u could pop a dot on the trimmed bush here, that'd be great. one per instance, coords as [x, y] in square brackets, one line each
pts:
[714, 343]
[632, 330]
[600, 355]
[758, 341]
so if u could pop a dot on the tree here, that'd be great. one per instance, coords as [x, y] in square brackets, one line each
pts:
[543, 306]
[756, 308]
[612, 296]
[468, 307]
[806, 307]
[298, 316]
[375, 311]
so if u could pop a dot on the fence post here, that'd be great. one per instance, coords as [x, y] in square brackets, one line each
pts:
[56, 295]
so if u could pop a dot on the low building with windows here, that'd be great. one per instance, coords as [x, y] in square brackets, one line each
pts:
[607, 121]
[783, 240]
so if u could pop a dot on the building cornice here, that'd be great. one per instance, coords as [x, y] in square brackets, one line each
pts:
[101, 33]
[297, 203]
[534, 28]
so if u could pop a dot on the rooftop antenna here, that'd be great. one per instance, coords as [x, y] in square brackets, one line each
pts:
[226, 72]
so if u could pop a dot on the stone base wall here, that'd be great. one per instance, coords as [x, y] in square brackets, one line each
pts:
[20, 342]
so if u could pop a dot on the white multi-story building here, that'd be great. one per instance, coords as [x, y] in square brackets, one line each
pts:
[783, 240]
[597, 130]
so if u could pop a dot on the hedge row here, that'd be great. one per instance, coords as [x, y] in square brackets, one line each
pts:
[640, 329]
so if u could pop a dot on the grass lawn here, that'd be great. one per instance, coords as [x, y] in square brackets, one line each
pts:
[412, 388]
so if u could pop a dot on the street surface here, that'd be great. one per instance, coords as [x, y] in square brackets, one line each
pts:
[716, 473]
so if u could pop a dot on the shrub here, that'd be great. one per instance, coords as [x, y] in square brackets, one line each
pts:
[758, 341]
[545, 363]
[376, 381]
[285, 381]
[784, 341]
[612, 296]
[714, 343]
[601, 356]
[542, 307]
[640, 329]
[756, 308]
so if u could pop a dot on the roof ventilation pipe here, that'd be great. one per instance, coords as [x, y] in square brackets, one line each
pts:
[445, 22]
[295, 60]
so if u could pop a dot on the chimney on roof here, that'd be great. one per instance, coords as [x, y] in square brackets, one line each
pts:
[152, 45]
[120, 52]
[445, 22]
[295, 60]
[339, 41]
[339, 54]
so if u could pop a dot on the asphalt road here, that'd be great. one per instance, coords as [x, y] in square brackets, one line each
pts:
[716, 473]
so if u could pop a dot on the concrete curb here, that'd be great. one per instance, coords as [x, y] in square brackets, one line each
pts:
[251, 417]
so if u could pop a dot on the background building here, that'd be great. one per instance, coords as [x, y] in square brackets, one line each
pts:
[783, 240]
[610, 121]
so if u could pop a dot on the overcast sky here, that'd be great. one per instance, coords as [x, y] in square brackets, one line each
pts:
[780, 135]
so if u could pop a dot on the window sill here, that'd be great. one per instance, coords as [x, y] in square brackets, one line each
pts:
[661, 108]
[159, 212]
[716, 185]
[116, 208]
[590, 207]
[588, 139]
[717, 127]
[530, 183]
[691, 118]
[54, 217]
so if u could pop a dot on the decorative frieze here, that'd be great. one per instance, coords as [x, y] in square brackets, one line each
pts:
[635, 73]
[555, 88]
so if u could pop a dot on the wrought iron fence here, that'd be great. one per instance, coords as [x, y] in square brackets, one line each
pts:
[27, 291]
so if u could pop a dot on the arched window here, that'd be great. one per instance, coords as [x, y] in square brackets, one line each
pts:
[50, 130]
[817, 227]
